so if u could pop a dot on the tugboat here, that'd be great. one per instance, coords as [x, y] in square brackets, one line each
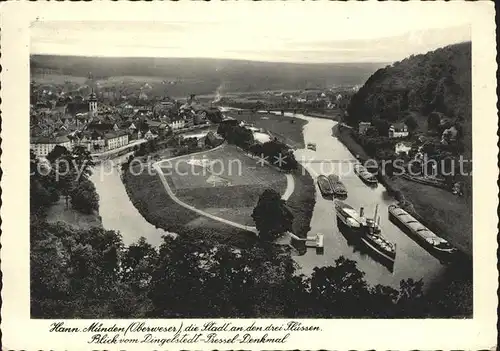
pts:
[421, 233]
[324, 186]
[366, 230]
[365, 175]
[337, 186]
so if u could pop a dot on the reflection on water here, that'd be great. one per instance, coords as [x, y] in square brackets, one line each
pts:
[359, 248]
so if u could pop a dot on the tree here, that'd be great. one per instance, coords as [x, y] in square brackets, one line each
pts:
[240, 136]
[271, 216]
[65, 177]
[411, 122]
[410, 301]
[289, 162]
[339, 290]
[74, 274]
[372, 132]
[83, 162]
[216, 280]
[57, 152]
[138, 263]
[42, 191]
[382, 126]
[214, 115]
[84, 197]
[433, 121]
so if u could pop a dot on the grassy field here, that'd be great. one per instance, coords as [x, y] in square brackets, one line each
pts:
[59, 213]
[148, 195]
[229, 188]
[289, 129]
[234, 202]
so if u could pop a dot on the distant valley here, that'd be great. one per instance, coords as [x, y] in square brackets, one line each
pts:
[181, 76]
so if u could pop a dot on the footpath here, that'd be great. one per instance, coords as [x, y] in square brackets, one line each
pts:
[157, 166]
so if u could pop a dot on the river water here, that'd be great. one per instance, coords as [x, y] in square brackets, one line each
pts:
[412, 261]
[331, 156]
[116, 210]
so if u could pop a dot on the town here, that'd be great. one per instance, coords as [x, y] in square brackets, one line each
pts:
[104, 122]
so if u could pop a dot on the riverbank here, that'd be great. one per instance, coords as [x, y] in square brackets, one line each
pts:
[302, 202]
[335, 115]
[436, 208]
[59, 213]
[288, 129]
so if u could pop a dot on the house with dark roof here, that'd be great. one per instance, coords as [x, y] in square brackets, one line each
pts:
[98, 125]
[73, 108]
[398, 130]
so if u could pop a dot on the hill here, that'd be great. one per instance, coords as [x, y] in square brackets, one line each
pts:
[204, 76]
[438, 81]
[433, 91]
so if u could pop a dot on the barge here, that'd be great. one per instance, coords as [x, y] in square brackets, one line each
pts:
[366, 230]
[324, 186]
[421, 233]
[337, 186]
[365, 175]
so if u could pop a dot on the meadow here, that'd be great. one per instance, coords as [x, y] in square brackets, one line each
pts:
[288, 130]
[225, 182]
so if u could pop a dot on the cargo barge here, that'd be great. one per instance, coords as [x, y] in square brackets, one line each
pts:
[324, 186]
[419, 232]
[365, 175]
[337, 186]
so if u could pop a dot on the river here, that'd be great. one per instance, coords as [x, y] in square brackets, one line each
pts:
[412, 261]
[116, 210]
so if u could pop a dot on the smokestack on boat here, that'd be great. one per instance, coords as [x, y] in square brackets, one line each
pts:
[361, 211]
[375, 215]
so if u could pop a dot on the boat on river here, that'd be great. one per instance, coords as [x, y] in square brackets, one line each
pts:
[365, 175]
[324, 185]
[418, 231]
[311, 146]
[337, 186]
[366, 230]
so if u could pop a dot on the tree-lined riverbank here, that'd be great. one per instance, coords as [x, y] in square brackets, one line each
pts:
[438, 209]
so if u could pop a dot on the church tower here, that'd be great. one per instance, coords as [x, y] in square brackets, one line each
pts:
[93, 104]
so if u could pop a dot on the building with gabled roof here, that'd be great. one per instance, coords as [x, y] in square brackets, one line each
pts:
[43, 145]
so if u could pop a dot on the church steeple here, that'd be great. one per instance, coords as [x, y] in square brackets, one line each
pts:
[93, 103]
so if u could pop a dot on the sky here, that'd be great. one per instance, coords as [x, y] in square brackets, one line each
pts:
[287, 32]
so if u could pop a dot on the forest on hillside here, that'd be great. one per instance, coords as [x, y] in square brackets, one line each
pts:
[204, 76]
[438, 81]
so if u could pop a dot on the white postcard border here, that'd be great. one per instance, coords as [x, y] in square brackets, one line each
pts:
[20, 332]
